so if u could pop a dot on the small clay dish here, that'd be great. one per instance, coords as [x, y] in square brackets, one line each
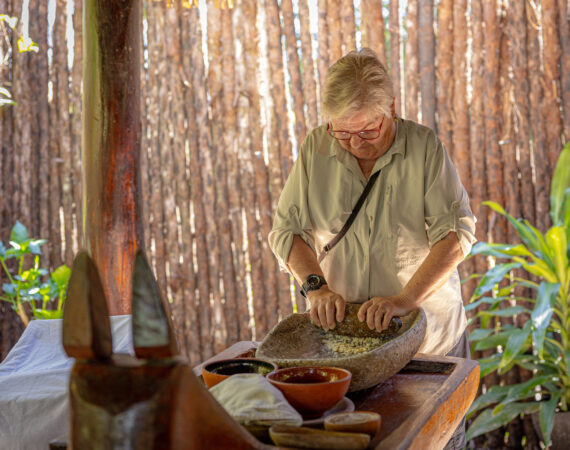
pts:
[311, 390]
[217, 371]
[354, 422]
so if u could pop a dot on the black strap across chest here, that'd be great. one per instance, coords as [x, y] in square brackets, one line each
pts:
[327, 248]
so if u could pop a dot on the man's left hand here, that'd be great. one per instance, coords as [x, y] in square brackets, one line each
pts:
[378, 311]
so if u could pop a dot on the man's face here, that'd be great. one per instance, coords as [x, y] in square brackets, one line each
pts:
[363, 149]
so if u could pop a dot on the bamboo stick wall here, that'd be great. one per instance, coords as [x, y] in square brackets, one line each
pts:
[227, 97]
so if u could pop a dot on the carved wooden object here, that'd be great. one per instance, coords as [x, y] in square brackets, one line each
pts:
[124, 402]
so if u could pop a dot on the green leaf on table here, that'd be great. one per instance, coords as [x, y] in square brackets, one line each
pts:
[542, 313]
[19, 233]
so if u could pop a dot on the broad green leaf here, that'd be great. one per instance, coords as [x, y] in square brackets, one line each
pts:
[546, 417]
[504, 312]
[35, 245]
[524, 390]
[61, 276]
[490, 364]
[493, 277]
[19, 233]
[556, 240]
[499, 250]
[495, 340]
[484, 300]
[9, 288]
[2, 251]
[560, 182]
[478, 334]
[486, 421]
[525, 233]
[48, 314]
[494, 394]
[515, 344]
[542, 313]
[538, 268]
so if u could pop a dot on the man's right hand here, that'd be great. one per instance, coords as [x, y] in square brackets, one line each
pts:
[327, 307]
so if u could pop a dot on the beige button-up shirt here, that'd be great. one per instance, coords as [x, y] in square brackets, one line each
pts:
[417, 199]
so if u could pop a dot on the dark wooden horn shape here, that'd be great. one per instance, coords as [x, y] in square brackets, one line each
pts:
[153, 335]
[86, 324]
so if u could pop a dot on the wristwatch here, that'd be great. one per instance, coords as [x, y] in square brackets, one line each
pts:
[312, 283]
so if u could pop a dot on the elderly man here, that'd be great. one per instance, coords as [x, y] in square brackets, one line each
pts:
[415, 225]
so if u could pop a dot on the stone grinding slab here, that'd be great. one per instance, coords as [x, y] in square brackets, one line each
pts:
[296, 341]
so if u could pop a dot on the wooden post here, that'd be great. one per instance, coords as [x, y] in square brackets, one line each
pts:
[112, 224]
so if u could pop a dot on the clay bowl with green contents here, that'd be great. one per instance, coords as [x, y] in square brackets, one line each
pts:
[217, 371]
[311, 390]
[370, 356]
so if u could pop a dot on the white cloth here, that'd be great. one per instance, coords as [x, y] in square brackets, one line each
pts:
[34, 380]
[252, 400]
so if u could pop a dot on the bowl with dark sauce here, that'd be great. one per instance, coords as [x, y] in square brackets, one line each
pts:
[217, 371]
[311, 390]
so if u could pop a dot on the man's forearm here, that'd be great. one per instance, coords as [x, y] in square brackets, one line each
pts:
[302, 260]
[436, 269]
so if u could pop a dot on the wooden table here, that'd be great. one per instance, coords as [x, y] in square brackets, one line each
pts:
[421, 406]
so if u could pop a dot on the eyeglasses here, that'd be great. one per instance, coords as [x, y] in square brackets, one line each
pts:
[366, 135]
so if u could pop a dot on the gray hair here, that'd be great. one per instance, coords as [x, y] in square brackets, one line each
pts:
[357, 81]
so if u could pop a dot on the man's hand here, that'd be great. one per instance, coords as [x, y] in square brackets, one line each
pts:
[378, 311]
[326, 306]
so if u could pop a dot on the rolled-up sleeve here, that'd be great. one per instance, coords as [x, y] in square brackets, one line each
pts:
[446, 201]
[292, 215]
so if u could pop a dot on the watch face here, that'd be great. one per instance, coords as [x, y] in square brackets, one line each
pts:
[313, 281]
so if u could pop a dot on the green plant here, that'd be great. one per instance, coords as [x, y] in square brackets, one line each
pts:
[542, 343]
[25, 285]
[25, 44]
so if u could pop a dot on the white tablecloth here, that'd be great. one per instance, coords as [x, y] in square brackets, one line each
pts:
[34, 381]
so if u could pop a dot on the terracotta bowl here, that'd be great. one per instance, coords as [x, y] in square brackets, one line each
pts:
[217, 371]
[311, 390]
[354, 422]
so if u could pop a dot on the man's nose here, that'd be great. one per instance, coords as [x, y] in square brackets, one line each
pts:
[355, 140]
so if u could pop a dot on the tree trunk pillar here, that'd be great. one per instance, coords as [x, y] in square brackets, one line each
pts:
[112, 226]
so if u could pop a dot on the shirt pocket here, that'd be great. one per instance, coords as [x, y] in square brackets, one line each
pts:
[330, 208]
